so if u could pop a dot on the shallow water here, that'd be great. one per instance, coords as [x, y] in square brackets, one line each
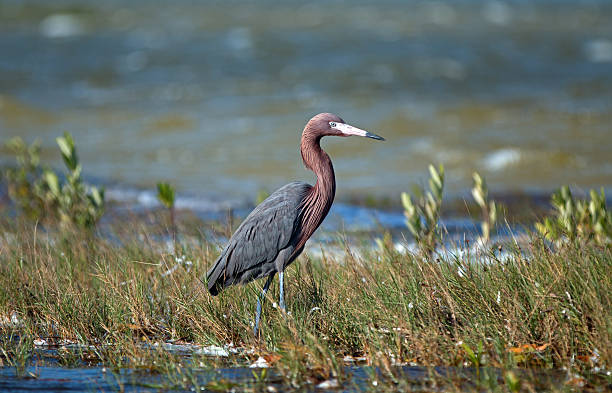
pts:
[213, 95]
[359, 378]
[87, 379]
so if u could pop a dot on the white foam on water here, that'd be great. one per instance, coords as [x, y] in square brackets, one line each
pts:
[497, 12]
[599, 51]
[148, 199]
[501, 159]
[61, 25]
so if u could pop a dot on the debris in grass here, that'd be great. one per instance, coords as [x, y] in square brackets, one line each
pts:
[260, 363]
[170, 271]
[352, 359]
[272, 358]
[12, 321]
[329, 384]
[576, 381]
[213, 350]
[528, 348]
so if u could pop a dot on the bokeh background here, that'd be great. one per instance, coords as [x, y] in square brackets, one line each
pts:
[212, 96]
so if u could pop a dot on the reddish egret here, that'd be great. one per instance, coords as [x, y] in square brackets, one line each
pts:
[274, 234]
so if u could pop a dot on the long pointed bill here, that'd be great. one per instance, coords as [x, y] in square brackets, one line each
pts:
[348, 130]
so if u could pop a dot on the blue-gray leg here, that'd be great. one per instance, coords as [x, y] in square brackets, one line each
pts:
[260, 299]
[281, 296]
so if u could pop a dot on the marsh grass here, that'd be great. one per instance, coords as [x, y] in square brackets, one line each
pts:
[533, 308]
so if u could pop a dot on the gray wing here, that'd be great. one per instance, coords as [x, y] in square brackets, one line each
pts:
[270, 228]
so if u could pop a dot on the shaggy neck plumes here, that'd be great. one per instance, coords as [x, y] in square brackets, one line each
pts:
[318, 201]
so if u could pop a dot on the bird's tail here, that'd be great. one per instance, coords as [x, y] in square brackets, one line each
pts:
[213, 275]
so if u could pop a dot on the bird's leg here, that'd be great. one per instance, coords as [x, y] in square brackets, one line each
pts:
[260, 299]
[281, 296]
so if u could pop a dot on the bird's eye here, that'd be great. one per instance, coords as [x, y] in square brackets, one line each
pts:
[332, 124]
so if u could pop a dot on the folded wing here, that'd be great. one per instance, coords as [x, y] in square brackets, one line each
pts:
[271, 228]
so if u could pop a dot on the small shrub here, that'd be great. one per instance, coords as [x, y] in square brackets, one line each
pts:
[578, 219]
[23, 181]
[422, 216]
[38, 191]
[480, 192]
[165, 194]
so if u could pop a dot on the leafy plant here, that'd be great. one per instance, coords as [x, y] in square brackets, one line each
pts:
[38, 191]
[422, 216]
[261, 377]
[480, 192]
[22, 180]
[165, 194]
[77, 202]
[475, 357]
[578, 219]
[385, 245]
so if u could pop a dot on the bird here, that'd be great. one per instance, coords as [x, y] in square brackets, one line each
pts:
[273, 235]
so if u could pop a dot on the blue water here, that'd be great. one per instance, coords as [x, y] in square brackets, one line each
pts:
[88, 379]
[212, 96]
[358, 379]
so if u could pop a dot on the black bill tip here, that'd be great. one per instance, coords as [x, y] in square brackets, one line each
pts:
[374, 136]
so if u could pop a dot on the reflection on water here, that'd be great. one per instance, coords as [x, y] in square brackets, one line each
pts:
[213, 96]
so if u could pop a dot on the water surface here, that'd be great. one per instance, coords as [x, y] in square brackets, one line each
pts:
[358, 379]
[212, 96]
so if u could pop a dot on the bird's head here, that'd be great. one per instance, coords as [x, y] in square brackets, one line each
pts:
[328, 124]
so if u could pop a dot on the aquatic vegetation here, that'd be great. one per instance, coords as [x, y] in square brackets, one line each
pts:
[475, 357]
[480, 192]
[38, 191]
[422, 216]
[17, 351]
[390, 309]
[585, 220]
[23, 181]
[165, 194]
[121, 302]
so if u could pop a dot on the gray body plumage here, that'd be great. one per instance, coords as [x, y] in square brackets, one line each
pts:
[264, 243]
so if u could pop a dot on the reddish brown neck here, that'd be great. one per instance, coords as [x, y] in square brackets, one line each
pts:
[317, 203]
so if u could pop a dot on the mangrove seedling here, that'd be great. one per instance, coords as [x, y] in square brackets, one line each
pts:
[422, 216]
[38, 191]
[165, 195]
[21, 180]
[78, 203]
[578, 219]
[480, 192]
